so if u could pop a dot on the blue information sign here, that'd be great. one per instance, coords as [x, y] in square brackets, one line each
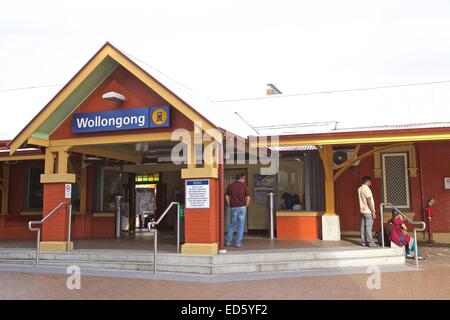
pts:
[127, 119]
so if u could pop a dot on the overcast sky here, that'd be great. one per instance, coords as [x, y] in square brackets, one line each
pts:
[231, 49]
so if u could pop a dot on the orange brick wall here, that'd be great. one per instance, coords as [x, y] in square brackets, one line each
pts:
[16, 227]
[201, 225]
[88, 226]
[55, 228]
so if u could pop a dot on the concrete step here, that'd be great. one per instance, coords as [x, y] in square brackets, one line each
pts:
[231, 263]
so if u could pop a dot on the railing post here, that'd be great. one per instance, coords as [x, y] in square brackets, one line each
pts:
[69, 228]
[38, 247]
[270, 194]
[416, 253]
[155, 251]
[178, 227]
[382, 223]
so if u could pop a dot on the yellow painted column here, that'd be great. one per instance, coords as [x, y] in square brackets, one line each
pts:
[331, 230]
[54, 230]
[327, 160]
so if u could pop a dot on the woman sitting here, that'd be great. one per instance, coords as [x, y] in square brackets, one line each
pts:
[399, 235]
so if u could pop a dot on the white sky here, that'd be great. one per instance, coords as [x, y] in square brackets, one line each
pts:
[230, 49]
[223, 49]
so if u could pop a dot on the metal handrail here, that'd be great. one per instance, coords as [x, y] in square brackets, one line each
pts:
[40, 222]
[152, 228]
[422, 223]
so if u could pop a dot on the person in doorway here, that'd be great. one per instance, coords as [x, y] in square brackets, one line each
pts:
[367, 210]
[287, 201]
[238, 198]
[400, 237]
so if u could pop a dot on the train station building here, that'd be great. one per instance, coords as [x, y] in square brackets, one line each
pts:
[121, 128]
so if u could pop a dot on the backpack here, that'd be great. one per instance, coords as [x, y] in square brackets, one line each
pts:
[387, 241]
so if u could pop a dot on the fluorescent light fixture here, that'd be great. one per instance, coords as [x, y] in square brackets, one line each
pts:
[114, 96]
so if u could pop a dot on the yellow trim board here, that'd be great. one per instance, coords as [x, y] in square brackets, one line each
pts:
[343, 139]
[206, 172]
[23, 157]
[110, 154]
[58, 178]
[54, 246]
[200, 248]
[293, 213]
[116, 139]
[38, 142]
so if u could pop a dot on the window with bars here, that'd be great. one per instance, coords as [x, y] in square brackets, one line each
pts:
[396, 180]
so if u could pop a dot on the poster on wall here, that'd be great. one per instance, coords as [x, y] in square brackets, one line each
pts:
[262, 185]
[197, 194]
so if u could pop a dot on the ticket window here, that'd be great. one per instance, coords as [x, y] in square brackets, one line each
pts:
[291, 191]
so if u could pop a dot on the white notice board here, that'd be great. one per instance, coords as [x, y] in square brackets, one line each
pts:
[447, 183]
[197, 193]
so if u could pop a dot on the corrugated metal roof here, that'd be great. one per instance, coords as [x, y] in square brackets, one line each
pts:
[425, 105]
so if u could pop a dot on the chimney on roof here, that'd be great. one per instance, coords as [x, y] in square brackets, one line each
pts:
[272, 89]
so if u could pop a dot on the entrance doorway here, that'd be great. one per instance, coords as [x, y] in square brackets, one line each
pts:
[230, 175]
[145, 208]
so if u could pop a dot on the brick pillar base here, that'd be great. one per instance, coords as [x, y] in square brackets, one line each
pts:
[54, 230]
[201, 225]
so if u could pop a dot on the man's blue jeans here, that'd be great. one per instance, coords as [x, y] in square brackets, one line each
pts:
[237, 216]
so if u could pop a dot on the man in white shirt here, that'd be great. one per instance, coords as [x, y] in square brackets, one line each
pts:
[368, 214]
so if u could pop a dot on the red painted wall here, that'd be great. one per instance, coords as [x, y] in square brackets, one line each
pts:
[55, 228]
[435, 161]
[17, 174]
[137, 94]
[88, 226]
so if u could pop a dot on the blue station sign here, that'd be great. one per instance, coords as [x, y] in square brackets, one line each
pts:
[127, 119]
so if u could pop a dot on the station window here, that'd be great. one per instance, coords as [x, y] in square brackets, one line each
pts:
[34, 188]
[291, 191]
[395, 179]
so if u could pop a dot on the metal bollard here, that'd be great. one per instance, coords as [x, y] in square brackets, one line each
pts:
[270, 194]
[118, 215]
